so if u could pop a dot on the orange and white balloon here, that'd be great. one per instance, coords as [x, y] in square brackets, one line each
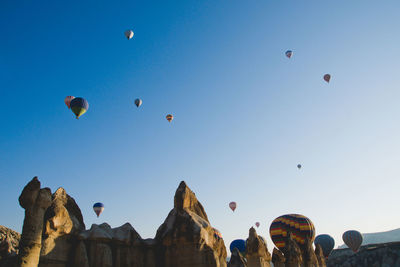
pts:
[67, 100]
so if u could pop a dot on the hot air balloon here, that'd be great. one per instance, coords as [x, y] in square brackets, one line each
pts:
[299, 166]
[79, 106]
[67, 100]
[289, 53]
[257, 224]
[138, 102]
[129, 34]
[169, 117]
[98, 208]
[300, 226]
[232, 205]
[326, 242]
[327, 78]
[240, 244]
[353, 239]
[217, 234]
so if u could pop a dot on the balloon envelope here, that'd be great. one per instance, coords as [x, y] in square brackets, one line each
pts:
[240, 244]
[300, 226]
[299, 166]
[257, 224]
[138, 102]
[327, 78]
[353, 239]
[98, 208]
[129, 34]
[67, 100]
[326, 242]
[217, 234]
[289, 53]
[79, 106]
[169, 117]
[232, 205]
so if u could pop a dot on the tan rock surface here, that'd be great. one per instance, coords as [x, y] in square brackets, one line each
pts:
[278, 259]
[257, 254]
[186, 238]
[63, 222]
[237, 260]
[35, 201]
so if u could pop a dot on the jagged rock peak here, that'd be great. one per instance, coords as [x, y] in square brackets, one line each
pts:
[186, 199]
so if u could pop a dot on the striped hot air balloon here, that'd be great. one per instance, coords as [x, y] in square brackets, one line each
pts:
[98, 208]
[67, 100]
[353, 239]
[79, 106]
[326, 242]
[300, 226]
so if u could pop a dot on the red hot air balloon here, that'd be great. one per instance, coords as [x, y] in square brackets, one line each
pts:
[257, 224]
[232, 205]
[327, 78]
[67, 100]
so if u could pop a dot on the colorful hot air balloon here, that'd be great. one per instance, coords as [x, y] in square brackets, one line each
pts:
[67, 100]
[138, 102]
[240, 244]
[353, 239]
[300, 226]
[327, 78]
[98, 208]
[257, 224]
[289, 53]
[169, 117]
[326, 242]
[217, 234]
[232, 205]
[299, 166]
[129, 34]
[79, 106]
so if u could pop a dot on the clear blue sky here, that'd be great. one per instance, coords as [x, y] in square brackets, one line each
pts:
[245, 115]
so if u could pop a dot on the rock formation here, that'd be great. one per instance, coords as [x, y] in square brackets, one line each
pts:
[186, 238]
[309, 257]
[278, 259]
[379, 255]
[9, 242]
[63, 222]
[35, 201]
[237, 260]
[292, 252]
[320, 256]
[257, 254]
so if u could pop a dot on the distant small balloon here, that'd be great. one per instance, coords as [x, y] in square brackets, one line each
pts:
[169, 117]
[299, 166]
[138, 102]
[257, 224]
[67, 100]
[232, 205]
[129, 34]
[326, 242]
[98, 208]
[327, 78]
[353, 239]
[289, 53]
[79, 106]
